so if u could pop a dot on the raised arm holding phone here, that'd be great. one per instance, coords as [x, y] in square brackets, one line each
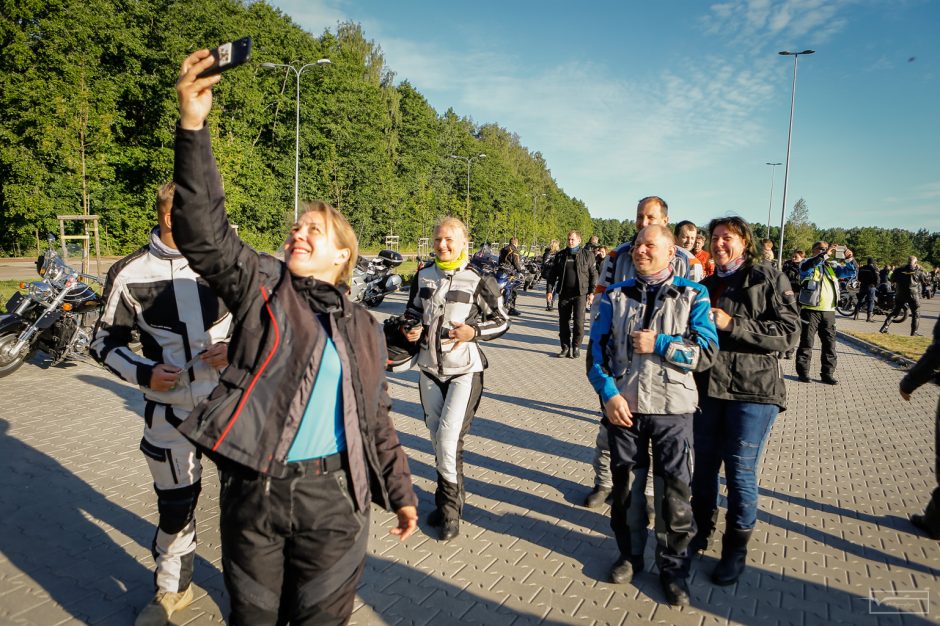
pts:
[300, 424]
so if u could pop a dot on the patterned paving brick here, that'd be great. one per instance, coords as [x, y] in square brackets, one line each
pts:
[844, 467]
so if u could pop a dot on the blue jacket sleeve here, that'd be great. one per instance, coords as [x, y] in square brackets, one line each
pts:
[807, 267]
[849, 270]
[696, 352]
[597, 372]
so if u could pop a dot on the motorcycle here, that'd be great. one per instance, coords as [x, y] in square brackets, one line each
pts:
[373, 279]
[884, 300]
[928, 288]
[508, 279]
[509, 282]
[56, 315]
[533, 272]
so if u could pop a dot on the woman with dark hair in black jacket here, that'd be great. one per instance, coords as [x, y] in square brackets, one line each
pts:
[755, 311]
[299, 424]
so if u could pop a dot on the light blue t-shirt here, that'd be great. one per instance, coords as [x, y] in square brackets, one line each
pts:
[321, 431]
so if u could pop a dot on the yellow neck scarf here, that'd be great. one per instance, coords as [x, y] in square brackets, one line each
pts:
[450, 266]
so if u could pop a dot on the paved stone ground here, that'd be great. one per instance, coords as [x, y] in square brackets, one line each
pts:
[843, 469]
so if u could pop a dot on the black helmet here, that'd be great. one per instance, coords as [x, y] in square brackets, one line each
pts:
[402, 354]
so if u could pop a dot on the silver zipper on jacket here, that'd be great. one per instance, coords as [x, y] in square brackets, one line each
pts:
[440, 352]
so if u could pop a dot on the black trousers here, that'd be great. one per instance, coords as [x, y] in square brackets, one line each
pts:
[569, 308]
[932, 512]
[293, 549]
[671, 436]
[822, 323]
[912, 303]
[867, 298]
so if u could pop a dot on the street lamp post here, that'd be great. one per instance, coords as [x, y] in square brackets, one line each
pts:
[469, 160]
[770, 205]
[786, 169]
[297, 73]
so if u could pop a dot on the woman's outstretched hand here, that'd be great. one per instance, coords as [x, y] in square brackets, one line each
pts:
[407, 522]
[195, 94]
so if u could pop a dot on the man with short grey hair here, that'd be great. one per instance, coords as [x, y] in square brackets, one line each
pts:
[907, 280]
[650, 333]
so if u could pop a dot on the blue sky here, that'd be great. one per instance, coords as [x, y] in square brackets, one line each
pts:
[688, 100]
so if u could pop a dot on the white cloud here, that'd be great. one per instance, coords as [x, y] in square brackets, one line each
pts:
[316, 15]
[604, 131]
[601, 129]
[756, 24]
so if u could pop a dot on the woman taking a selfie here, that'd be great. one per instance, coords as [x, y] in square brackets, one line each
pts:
[755, 311]
[457, 307]
[299, 424]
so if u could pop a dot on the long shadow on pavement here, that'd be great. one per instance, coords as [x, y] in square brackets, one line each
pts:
[396, 590]
[894, 522]
[593, 416]
[571, 490]
[833, 541]
[522, 499]
[511, 435]
[53, 528]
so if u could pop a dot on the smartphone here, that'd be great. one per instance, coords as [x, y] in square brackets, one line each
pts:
[840, 252]
[229, 55]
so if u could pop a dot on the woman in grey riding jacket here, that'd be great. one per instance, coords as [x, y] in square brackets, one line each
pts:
[457, 307]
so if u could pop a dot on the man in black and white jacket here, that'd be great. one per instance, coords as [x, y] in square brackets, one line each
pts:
[183, 327]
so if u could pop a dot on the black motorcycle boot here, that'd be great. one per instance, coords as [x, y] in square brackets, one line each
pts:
[449, 503]
[733, 556]
[915, 322]
[675, 589]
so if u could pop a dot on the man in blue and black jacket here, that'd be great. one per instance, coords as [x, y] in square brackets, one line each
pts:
[650, 333]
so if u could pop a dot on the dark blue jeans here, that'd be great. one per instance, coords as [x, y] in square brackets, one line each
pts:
[734, 433]
[867, 296]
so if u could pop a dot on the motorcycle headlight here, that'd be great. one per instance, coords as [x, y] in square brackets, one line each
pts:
[40, 291]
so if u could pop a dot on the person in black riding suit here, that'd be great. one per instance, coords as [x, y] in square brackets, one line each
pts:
[884, 276]
[573, 279]
[791, 267]
[868, 279]
[510, 260]
[548, 262]
[907, 281]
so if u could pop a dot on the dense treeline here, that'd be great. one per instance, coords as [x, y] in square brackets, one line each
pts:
[885, 245]
[87, 116]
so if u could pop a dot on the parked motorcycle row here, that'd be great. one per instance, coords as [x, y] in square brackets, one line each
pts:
[57, 314]
[508, 279]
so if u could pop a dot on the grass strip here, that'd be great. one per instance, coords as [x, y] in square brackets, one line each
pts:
[910, 347]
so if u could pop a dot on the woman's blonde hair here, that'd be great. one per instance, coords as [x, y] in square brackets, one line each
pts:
[452, 222]
[340, 231]
[554, 245]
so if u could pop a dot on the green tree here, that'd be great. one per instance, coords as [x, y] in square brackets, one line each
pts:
[799, 232]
